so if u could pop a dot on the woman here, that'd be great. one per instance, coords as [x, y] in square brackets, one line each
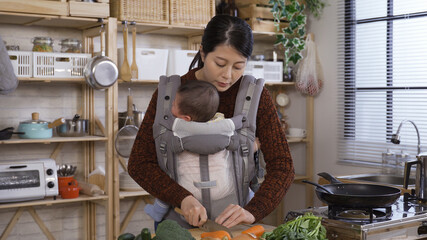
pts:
[227, 44]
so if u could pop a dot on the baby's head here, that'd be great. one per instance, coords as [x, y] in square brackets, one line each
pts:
[196, 101]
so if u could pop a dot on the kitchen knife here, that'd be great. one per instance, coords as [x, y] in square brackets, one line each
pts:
[209, 225]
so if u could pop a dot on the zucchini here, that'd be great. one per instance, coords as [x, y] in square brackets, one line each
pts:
[145, 234]
[126, 236]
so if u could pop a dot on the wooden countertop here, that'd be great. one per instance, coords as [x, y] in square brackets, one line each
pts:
[236, 230]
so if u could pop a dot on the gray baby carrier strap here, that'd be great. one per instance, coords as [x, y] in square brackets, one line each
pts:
[247, 102]
[240, 143]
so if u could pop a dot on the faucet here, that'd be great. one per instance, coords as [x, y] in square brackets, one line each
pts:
[395, 138]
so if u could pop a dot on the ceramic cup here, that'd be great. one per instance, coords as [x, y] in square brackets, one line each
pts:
[297, 132]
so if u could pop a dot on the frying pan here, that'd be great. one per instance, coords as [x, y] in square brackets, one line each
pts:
[356, 195]
[7, 133]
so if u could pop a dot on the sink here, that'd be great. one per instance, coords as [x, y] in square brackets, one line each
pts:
[379, 179]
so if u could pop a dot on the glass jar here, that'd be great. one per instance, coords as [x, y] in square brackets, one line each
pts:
[12, 48]
[42, 44]
[71, 46]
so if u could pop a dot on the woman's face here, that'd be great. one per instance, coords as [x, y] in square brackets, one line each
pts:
[222, 67]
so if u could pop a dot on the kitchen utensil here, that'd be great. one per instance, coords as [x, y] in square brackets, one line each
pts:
[318, 185]
[127, 134]
[71, 190]
[38, 129]
[101, 72]
[125, 69]
[134, 67]
[7, 133]
[75, 127]
[138, 116]
[356, 195]
[209, 225]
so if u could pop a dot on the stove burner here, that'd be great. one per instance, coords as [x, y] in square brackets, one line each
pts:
[363, 215]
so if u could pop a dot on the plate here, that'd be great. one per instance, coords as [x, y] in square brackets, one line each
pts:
[282, 99]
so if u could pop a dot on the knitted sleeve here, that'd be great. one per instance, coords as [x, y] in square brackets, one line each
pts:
[279, 166]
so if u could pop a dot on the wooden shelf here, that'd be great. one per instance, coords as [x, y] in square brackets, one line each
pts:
[28, 19]
[50, 201]
[142, 82]
[54, 140]
[164, 29]
[48, 80]
[296, 140]
[127, 194]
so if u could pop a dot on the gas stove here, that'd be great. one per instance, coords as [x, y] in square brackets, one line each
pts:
[405, 219]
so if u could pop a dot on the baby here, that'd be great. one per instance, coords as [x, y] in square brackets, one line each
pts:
[197, 101]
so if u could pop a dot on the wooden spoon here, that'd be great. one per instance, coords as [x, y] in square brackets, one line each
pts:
[125, 69]
[134, 67]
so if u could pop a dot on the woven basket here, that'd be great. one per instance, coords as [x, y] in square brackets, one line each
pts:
[195, 13]
[144, 11]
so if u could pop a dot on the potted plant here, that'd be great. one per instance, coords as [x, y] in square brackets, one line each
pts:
[292, 37]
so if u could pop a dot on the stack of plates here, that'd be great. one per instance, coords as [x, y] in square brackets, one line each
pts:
[127, 183]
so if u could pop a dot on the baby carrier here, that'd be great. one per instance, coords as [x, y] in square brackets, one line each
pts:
[209, 138]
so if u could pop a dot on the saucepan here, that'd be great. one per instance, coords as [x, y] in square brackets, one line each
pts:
[355, 195]
[75, 127]
[38, 129]
[101, 72]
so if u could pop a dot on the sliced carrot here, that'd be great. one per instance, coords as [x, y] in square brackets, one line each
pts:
[223, 235]
[258, 230]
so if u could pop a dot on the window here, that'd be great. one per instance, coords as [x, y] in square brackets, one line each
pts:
[382, 77]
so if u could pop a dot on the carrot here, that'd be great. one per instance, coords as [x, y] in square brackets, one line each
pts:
[223, 235]
[258, 230]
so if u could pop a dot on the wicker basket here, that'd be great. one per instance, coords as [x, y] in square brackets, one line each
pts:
[144, 11]
[195, 13]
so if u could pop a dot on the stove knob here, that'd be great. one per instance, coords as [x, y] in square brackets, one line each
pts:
[50, 184]
[49, 172]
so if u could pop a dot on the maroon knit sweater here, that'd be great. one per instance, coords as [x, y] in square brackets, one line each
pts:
[144, 168]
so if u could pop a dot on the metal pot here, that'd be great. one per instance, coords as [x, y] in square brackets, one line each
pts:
[38, 129]
[75, 127]
[138, 116]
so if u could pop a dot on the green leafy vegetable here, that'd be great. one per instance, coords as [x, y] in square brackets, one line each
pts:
[306, 227]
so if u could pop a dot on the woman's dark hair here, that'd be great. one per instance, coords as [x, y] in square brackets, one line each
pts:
[198, 99]
[228, 30]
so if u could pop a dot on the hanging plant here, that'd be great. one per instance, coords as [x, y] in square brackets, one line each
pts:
[292, 37]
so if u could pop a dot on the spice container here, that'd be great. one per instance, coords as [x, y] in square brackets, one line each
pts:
[71, 46]
[42, 44]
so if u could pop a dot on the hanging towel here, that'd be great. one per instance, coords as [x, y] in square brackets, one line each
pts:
[8, 79]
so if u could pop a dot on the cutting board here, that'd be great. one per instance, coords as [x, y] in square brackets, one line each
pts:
[236, 230]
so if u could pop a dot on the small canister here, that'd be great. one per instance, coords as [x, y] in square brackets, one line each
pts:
[71, 46]
[42, 44]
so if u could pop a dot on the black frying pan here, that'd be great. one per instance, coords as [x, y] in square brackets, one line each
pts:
[356, 195]
[7, 133]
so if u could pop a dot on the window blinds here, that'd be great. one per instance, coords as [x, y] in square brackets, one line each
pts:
[382, 77]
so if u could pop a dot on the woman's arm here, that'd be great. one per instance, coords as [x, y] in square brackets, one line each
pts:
[279, 165]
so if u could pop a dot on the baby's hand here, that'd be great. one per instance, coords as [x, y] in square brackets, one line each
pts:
[257, 144]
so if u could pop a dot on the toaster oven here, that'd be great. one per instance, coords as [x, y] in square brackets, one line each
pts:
[24, 180]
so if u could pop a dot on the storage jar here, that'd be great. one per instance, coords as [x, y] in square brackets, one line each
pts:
[71, 46]
[42, 44]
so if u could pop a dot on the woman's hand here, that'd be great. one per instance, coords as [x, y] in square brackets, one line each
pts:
[193, 211]
[233, 215]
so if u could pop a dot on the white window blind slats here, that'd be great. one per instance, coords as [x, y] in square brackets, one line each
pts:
[382, 72]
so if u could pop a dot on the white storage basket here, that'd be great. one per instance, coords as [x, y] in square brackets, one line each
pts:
[21, 63]
[179, 61]
[59, 65]
[151, 62]
[271, 71]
